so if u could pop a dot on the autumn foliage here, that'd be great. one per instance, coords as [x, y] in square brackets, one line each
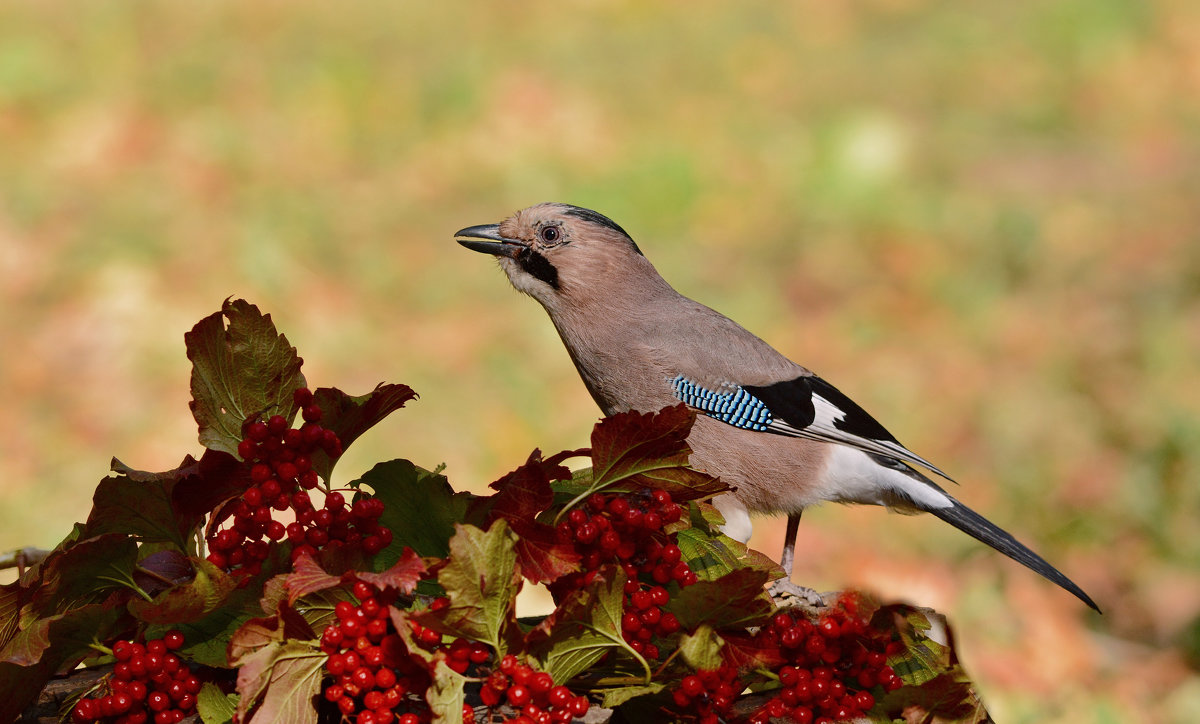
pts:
[394, 600]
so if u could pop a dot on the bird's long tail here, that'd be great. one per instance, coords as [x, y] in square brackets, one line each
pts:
[980, 528]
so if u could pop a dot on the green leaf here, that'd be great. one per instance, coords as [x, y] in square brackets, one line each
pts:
[481, 581]
[214, 705]
[735, 600]
[618, 696]
[239, 372]
[350, 417]
[923, 659]
[712, 555]
[189, 601]
[420, 508]
[280, 681]
[446, 695]
[69, 575]
[702, 648]
[583, 629]
[207, 639]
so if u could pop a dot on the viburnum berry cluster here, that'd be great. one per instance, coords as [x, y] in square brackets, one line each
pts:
[372, 678]
[708, 694]
[149, 683]
[281, 474]
[627, 529]
[532, 693]
[831, 666]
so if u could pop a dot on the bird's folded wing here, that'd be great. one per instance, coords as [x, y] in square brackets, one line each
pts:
[805, 406]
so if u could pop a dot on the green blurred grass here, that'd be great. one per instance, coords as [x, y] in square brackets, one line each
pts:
[979, 220]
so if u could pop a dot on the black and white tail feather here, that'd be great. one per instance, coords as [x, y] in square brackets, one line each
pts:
[809, 407]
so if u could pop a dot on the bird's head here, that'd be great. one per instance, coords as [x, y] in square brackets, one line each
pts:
[554, 251]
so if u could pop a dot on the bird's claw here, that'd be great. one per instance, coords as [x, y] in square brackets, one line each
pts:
[786, 593]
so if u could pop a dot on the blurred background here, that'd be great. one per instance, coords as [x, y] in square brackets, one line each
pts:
[979, 220]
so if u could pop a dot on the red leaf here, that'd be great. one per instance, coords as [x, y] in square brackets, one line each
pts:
[649, 450]
[350, 417]
[220, 477]
[745, 651]
[525, 492]
[541, 556]
[522, 495]
[142, 504]
[308, 577]
[403, 576]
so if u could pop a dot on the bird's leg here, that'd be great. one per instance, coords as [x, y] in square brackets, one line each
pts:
[789, 544]
[783, 588]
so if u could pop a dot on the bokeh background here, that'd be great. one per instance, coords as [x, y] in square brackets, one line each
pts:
[980, 220]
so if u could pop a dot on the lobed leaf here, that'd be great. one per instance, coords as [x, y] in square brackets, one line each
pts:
[521, 496]
[141, 504]
[481, 580]
[701, 649]
[279, 683]
[402, 576]
[446, 695]
[239, 372]
[350, 417]
[649, 450]
[308, 577]
[582, 629]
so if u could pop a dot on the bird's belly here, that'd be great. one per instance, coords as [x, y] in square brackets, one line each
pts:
[772, 473]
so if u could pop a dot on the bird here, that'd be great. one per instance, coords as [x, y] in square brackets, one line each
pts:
[781, 436]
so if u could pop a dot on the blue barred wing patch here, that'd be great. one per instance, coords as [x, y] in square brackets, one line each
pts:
[735, 406]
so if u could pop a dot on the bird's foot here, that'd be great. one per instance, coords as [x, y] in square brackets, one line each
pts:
[786, 593]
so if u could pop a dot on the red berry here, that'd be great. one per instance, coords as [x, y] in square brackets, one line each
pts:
[540, 683]
[257, 431]
[173, 639]
[518, 695]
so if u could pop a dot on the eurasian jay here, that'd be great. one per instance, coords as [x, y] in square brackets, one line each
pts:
[784, 438]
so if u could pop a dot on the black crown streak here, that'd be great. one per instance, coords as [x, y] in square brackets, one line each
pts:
[538, 266]
[792, 401]
[601, 220]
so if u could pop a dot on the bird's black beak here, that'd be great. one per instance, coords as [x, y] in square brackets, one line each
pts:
[486, 238]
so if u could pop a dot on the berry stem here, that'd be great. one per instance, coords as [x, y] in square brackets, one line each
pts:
[622, 643]
[124, 579]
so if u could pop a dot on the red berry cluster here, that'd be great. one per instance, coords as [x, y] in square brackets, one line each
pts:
[531, 693]
[148, 684]
[372, 674]
[708, 694]
[627, 529]
[831, 667]
[281, 474]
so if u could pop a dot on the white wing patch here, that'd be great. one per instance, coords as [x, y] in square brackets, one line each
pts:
[851, 476]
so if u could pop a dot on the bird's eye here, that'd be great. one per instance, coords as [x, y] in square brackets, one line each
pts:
[551, 234]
